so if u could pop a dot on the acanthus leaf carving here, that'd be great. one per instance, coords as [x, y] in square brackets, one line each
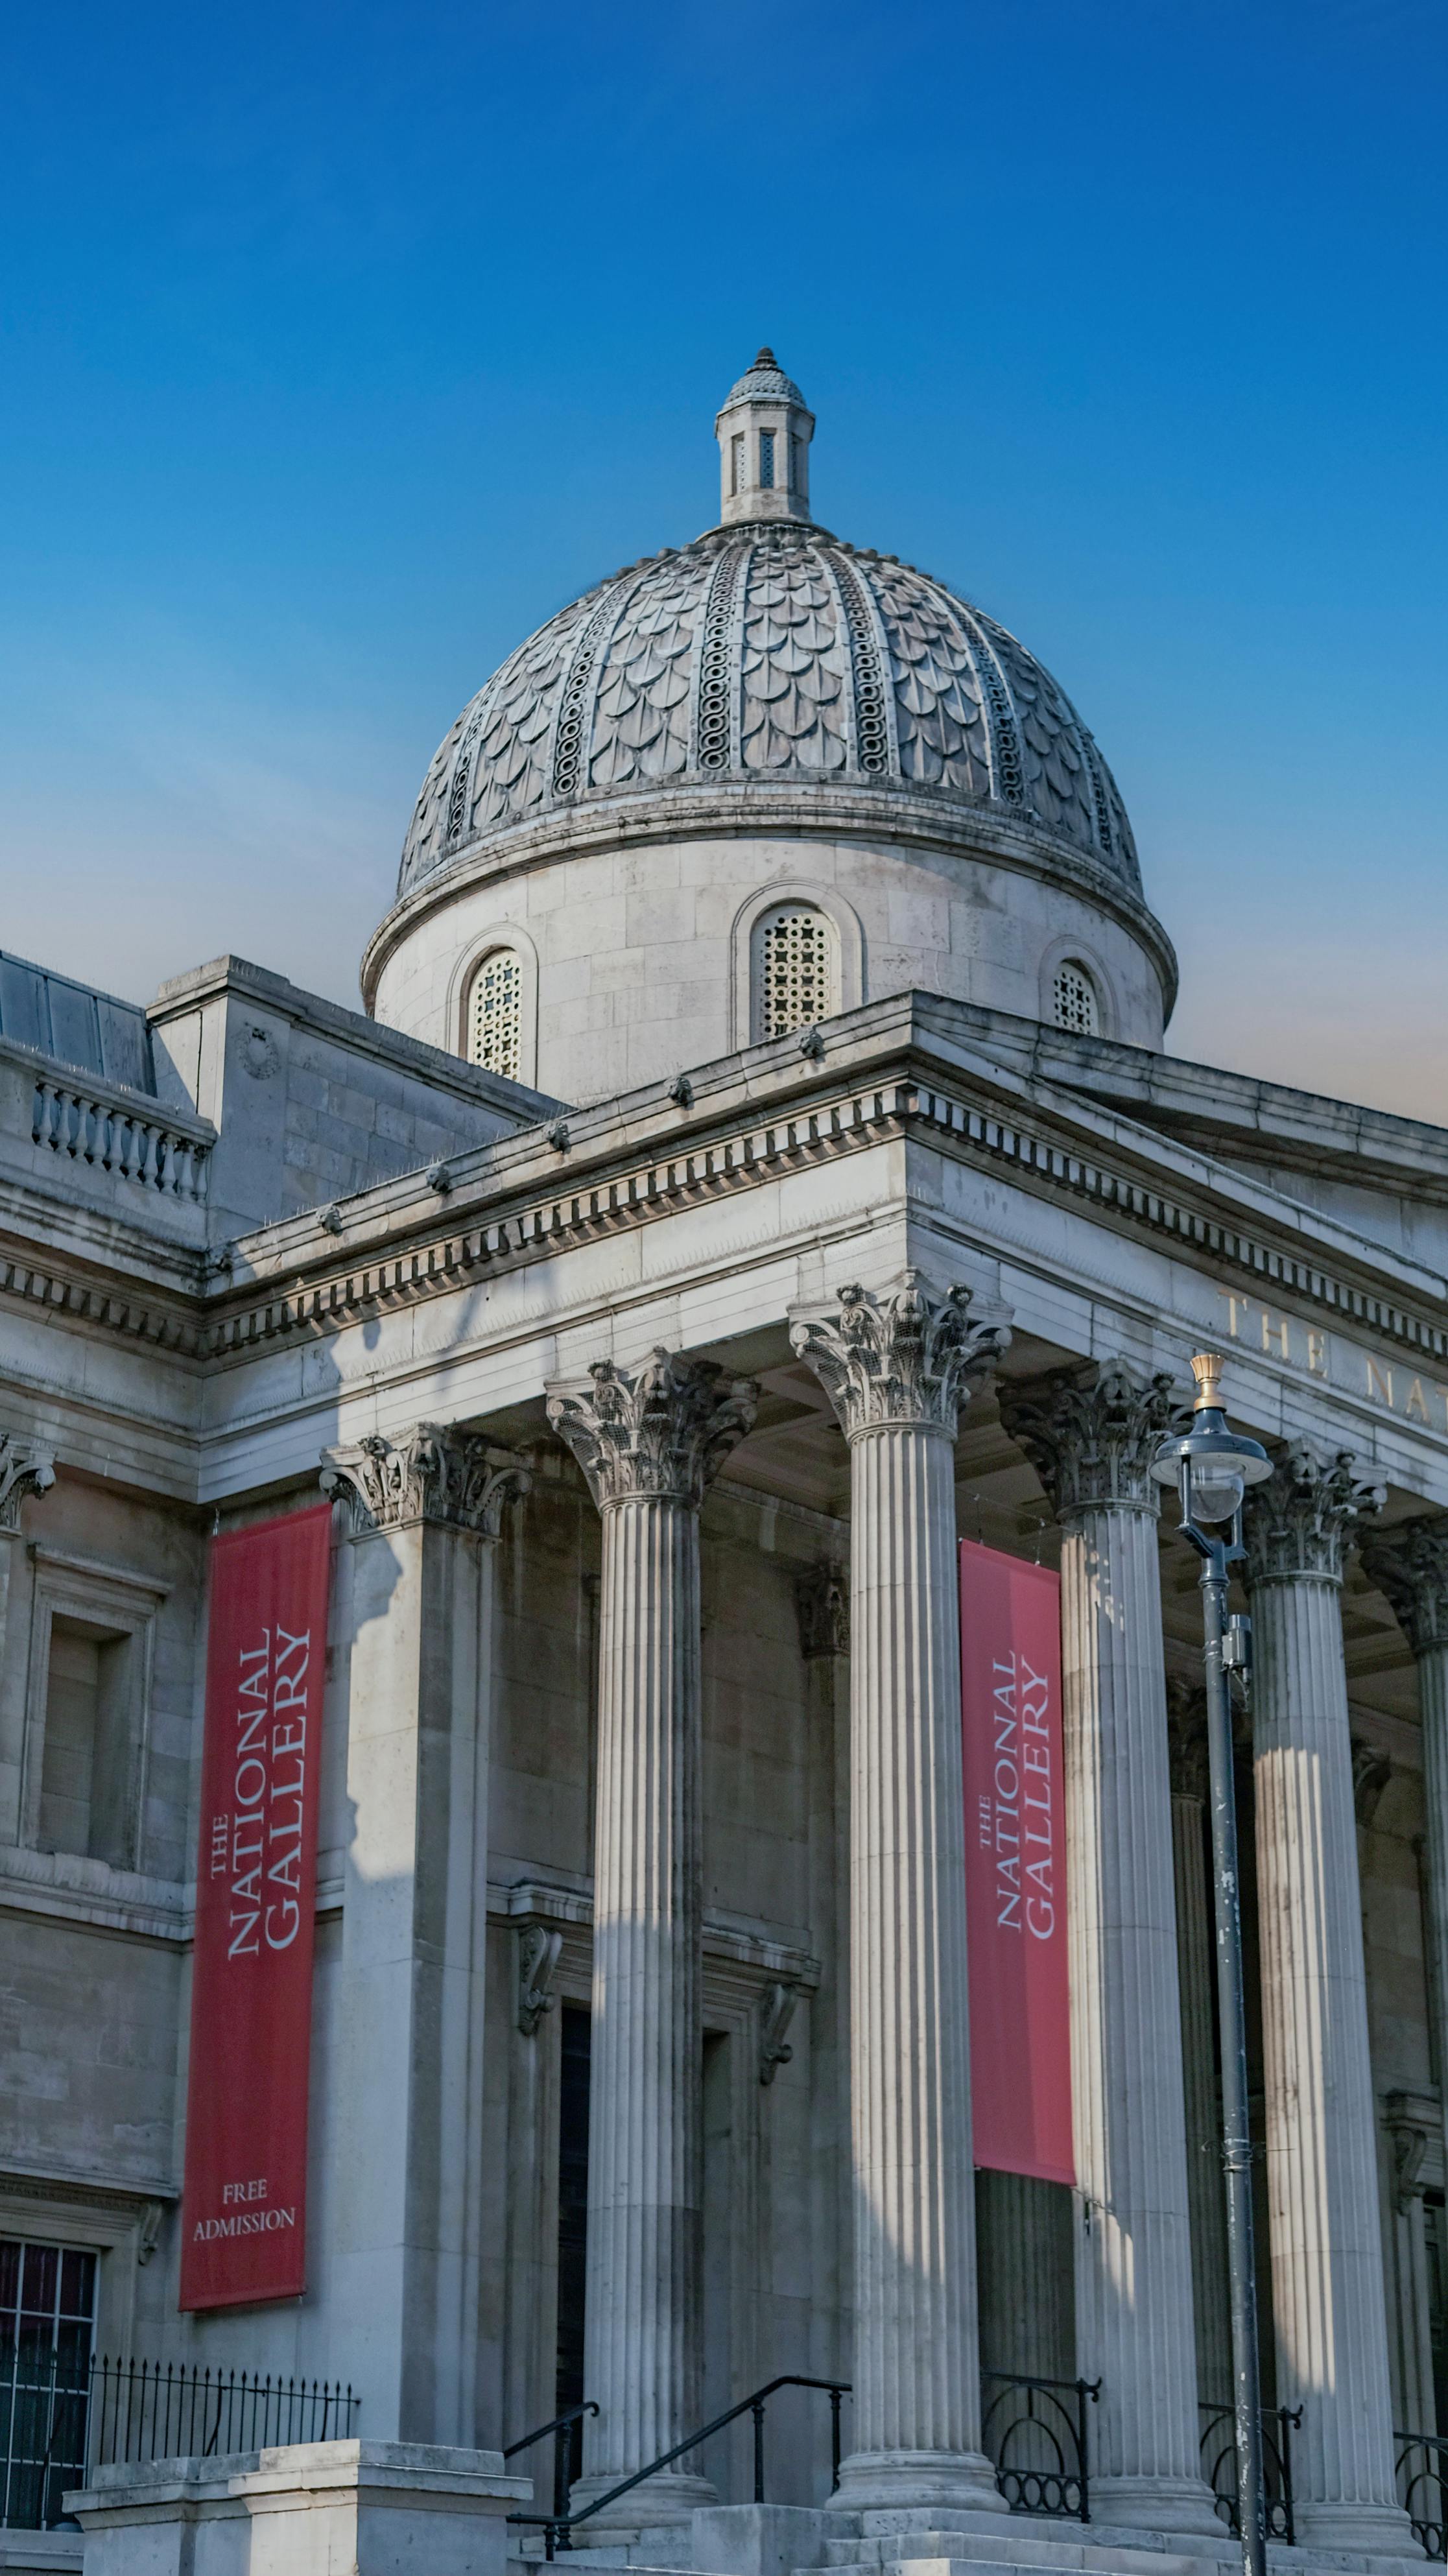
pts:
[1092, 1432]
[455, 1479]
[822, 1598]
[1410, 1565]
[1298, 1523]
[662, 1430]
[26, 1467]
[906, 1357]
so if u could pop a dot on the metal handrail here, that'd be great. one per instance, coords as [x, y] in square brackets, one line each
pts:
[1031, 2488]
[1279, 2423]
[557, 2526]
[1430, 2530]
[570, 2415]
[562, 2430]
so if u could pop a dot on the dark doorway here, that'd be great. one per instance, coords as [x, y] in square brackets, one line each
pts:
[572, 2216]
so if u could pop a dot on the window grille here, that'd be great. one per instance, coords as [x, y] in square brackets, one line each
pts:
[1074, 998]
[793, 970]
[495, 1015]
[47, 2320]
[736, 462]
[766, 460]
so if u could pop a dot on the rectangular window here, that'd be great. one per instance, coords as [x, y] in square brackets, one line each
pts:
[47, 2322]
[736, 462]
[796, 464]
[766, 460]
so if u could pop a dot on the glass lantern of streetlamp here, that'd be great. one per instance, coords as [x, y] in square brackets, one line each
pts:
[1212, 1466]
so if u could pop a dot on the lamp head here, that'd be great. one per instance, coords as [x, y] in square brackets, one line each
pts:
[1212, 1466]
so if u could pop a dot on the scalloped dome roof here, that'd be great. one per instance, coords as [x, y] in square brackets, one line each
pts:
[769, 654]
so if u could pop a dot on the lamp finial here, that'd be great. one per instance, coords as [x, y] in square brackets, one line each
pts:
[1207, 1369]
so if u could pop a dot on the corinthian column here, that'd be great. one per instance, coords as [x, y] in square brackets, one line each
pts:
[1322, 2172]
[1092, 1434]
[897, 1369]
[1410, 1565]
[413, 1633]
[648, 1442]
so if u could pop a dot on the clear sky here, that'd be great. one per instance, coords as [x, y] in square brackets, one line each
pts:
[342, 344]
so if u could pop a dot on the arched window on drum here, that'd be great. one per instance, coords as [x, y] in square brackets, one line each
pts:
[1073, 999]
[495, 1015]
[794, 972]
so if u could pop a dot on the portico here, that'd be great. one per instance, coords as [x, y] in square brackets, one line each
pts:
[652, 1402]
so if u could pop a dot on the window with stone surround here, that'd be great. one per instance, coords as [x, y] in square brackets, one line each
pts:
[47, 2327]
[793, 969]
[87, 1725]
[1074, 1002]
[495, 1015]
[766, 460]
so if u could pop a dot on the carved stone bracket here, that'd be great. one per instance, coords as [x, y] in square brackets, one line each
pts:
[1372, 1769]
[1415, 2126]
[662, 1430]
[1186, 1735]
[26, 1467]
[1298, 1523]
[909, 1357]
[536, 1951]
[149, 2232]
[454, 1479]
[776, 2012]
[1410, 1565]
[1091, 1433]
[822, 1598]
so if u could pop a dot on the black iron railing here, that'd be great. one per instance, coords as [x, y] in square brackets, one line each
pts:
[1423, 2489]
[1219, 2464]
[1034, 2434]
[65, 2421]
[558, 2528]
[561, 2429]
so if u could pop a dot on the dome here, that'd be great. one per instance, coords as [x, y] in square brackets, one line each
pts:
[765, 381]
[754, 782]
[769, 654]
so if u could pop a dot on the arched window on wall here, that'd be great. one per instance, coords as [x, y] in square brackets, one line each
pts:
[1073, 997]
[495, 1015]
[793, 969]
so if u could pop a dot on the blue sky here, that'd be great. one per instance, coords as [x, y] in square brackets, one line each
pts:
[342, 345]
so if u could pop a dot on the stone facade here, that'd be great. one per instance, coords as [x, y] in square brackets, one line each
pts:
[650, 1406]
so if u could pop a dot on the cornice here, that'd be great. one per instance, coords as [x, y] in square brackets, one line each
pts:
[959, 826]
[755, 1118]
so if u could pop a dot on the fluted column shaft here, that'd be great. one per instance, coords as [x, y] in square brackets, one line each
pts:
[1092, 1434]
[1410, 1564]
[645, 2179]
[1206, 2194]
[897, 1369]
[1322, 2174]
[647, 1443]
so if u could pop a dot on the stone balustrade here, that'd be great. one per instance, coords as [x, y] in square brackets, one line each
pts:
[76, 1122]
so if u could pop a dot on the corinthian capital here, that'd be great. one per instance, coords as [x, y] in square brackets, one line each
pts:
[25, 1468]
[1091, 1433]
[452, 1478]
[1298, 1522]
[663, 1430]
[1410, 1564]
[907, 1357]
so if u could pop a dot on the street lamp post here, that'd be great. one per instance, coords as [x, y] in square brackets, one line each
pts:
[1211, 1468]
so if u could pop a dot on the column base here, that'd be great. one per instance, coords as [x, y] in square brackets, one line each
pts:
[671, 2495]
[916, 2481]
[1377, 2530]
[1157, 2504]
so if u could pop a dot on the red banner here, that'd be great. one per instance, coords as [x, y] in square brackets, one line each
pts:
[1015, 1865]
[244, 2205]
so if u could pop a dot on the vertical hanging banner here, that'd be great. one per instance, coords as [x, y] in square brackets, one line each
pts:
[1015, 1865]
[244, 2199]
